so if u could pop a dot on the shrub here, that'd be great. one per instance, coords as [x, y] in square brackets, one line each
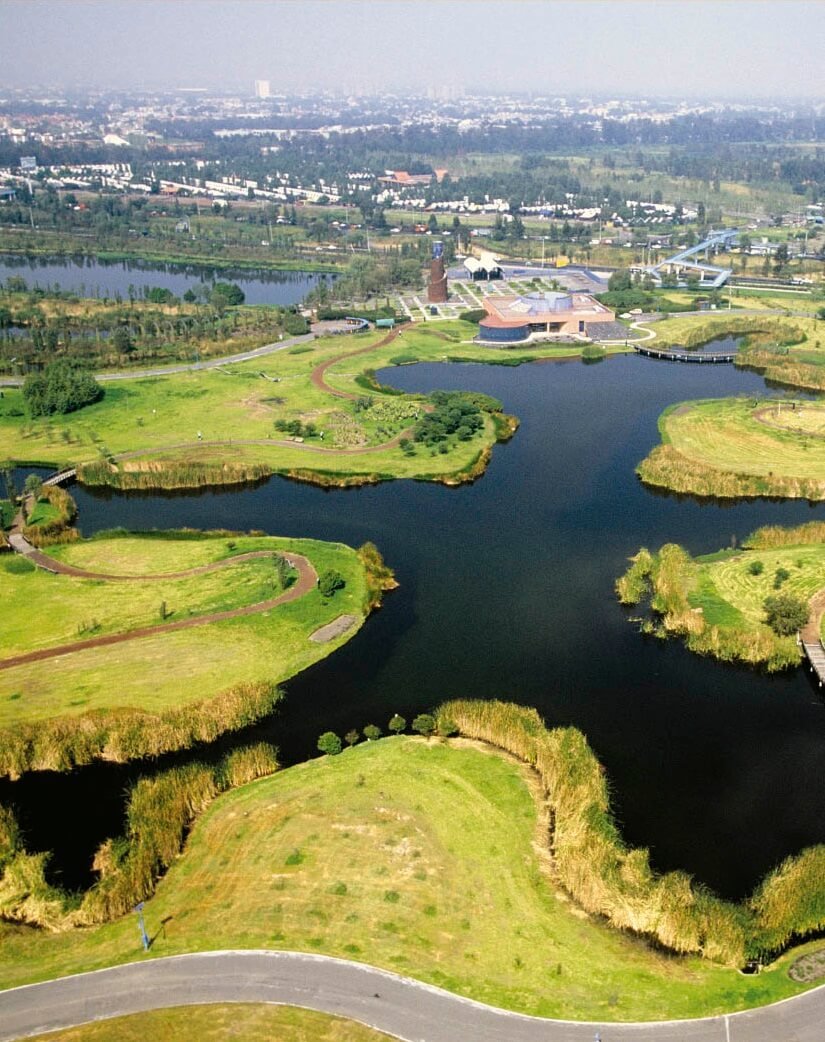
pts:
[756, 568]
[330, 581]
[329, 743]
[785, 613]
[780, 576]
[475, 315]
[371, 732]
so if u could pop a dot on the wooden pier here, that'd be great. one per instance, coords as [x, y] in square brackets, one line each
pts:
[815, 653]
[684, 356]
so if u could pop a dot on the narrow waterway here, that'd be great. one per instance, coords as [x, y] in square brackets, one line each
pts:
[507, 592]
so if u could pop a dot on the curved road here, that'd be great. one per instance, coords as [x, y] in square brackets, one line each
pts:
[396, 1005]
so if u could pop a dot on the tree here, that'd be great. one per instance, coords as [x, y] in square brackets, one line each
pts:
[330, 581]
[785, 613]
[397, 724]
[351, 737]
[329, 743]
[447, 727]
[619, 280]
[371, 732]
[122, 341]
[33, 486]
[424, 724]
[226, 294]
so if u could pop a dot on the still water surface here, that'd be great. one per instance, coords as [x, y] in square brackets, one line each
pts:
[507, 592]
[94, 278]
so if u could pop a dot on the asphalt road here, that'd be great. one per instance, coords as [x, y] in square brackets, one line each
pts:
[189, 367]
[396, 1005]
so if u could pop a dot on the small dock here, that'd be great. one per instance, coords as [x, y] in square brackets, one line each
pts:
[685, 356]
[815, 653]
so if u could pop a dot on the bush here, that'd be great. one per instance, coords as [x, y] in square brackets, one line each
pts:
[330, 581]
[476, 315]
[786, 613]
[756, 568]
[226, 294]
[371, 732]
[295, 325]
[329, 743]
[780, 576]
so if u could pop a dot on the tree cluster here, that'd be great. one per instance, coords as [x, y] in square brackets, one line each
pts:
[60, 388]
[454, 414]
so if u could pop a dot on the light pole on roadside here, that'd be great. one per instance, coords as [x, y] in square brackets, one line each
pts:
[142, 926]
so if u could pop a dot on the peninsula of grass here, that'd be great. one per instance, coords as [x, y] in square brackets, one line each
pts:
[173, 687]
[737, 447]
[248, 1022]
[245, 421]
[717, 602]
[423, 857]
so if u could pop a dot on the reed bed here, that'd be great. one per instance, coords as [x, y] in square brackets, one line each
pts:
[151, 474]
[589, 857]
[771, 536]
[160, 812]
[120, 735]
[666, 467]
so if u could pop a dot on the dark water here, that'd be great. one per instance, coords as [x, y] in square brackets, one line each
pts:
[93, 278]
[507, 592]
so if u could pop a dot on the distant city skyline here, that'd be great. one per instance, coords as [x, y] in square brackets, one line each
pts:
[683, 48]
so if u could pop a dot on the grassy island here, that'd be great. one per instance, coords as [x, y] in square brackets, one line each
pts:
[127, 654]
[426, 857]
[217, 1023]
[719, 603]
[734, 447]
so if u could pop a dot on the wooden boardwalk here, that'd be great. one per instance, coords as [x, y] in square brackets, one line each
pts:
[684, 356]
[816, 657]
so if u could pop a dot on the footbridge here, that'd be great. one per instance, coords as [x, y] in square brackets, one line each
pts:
[682, 264]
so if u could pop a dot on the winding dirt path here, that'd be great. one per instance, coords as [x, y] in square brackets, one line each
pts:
[307, 578]
[317, 374]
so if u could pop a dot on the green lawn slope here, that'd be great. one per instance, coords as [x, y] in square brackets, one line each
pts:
[420, 857]
[733, 447]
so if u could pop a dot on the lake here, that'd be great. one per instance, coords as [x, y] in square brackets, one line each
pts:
[507, 592]
[93, 278]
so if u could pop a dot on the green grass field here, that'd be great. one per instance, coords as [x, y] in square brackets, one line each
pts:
[741, 446]
[240, 1021]
[173, 419]
[165, 670]
[420, 857]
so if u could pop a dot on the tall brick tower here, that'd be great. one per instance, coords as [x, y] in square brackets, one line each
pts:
[437, 286]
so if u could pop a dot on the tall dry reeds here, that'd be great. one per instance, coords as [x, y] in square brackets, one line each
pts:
[62, 743]
[159, 815]
[590, 858]
[166, 474]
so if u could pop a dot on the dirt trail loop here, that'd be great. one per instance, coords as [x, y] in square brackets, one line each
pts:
[317, 374]
[811, 632]
[307, 578]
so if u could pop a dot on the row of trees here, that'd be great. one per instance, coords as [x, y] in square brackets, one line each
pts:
[424, 724]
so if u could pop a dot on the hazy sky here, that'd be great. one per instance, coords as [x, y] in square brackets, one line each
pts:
[735, 48]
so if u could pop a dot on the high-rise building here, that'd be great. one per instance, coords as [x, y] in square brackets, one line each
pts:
[262, 88]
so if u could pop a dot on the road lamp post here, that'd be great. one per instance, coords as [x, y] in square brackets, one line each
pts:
[142, 926]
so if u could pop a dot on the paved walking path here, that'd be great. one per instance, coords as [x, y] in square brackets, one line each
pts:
[307, 578]
[385, 1001]
[188, 367]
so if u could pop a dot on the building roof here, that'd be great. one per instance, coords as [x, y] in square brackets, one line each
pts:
[486, 261]
[507, 311]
